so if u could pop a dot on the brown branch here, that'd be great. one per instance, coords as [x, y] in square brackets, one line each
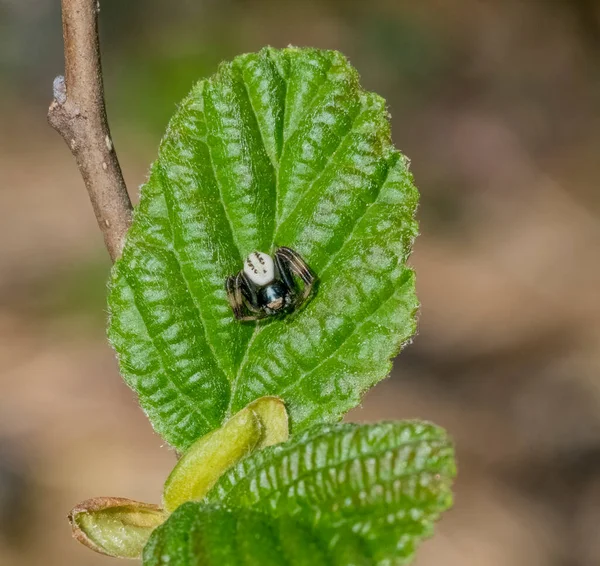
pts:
[78, 114]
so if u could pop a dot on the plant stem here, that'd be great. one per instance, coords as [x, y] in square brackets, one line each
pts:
[78, 114]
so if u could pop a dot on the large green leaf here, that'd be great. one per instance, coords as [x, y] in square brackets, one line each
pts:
[338, 494]
[197, 535]
[280, 147]
[369, 478]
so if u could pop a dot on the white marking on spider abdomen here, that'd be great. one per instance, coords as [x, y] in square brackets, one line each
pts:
[259, 268]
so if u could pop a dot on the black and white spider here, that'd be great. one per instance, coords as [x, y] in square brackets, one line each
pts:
[267, 286]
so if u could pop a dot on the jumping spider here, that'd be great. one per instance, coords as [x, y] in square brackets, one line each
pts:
[266, 285]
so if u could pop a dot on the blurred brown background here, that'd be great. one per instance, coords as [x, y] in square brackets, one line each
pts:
[498, 105]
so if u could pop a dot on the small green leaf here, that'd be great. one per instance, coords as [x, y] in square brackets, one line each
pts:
[114, 526]
[335, 495]
[262, 423]
[206, 460]
[279, 148]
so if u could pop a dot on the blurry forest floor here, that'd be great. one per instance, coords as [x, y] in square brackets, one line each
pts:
[505, 151]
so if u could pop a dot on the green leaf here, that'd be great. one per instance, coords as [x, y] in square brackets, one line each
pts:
[279, 148]
[370, 478]
[211, 455]
[213, 536]
[338, 494]
[262, 423]
[114, 526]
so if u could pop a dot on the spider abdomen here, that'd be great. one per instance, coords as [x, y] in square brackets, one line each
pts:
[274, 296]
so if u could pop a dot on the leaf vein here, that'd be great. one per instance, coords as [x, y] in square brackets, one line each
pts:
[274, 168]
[242, 366]
[220, 190]
[309, 109]
[341, 344]
[176, 253]
[350, 457]
[189, 401]
[360, 218]
[330, 160]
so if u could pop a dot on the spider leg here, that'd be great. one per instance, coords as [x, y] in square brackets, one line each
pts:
[235, 296]
[284, 271]
[248, 296]
[290, 262]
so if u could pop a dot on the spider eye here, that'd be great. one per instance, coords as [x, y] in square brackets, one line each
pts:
[259, 268]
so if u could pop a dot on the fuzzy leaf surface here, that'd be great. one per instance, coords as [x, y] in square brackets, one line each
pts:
[278, 148]
[338, 494]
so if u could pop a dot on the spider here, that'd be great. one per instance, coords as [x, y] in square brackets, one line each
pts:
[266, 286]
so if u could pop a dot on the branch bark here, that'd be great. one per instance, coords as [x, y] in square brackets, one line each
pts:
[78, 114]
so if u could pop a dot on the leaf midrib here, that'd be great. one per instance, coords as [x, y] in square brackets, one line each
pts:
[277, 223]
